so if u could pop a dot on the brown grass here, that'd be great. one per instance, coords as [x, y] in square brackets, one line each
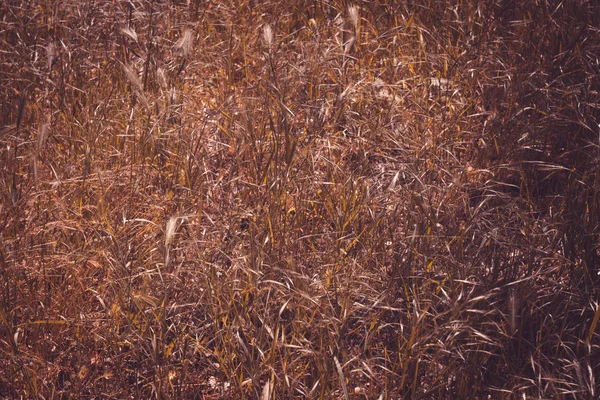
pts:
[280, 199]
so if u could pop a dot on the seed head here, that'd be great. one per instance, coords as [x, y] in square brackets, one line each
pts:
[170, 231]
[184, 44]
[353, 16]
[268, 36]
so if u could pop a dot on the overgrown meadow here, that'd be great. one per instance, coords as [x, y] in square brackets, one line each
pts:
[320, 199]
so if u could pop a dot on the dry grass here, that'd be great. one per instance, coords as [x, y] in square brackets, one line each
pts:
[279, 199]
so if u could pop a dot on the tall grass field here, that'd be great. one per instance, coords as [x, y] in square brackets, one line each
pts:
[280, 199]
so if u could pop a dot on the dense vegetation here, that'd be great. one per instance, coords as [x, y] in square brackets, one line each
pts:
[299, 199]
